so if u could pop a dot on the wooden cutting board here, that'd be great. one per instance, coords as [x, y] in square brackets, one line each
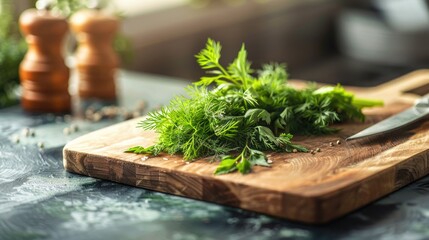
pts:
[299, 186]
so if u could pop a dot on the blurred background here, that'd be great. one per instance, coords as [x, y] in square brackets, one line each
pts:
[353, 42]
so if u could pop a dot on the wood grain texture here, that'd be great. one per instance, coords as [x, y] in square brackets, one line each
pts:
[299, 186]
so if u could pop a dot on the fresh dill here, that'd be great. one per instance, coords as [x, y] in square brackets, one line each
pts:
[244, 115]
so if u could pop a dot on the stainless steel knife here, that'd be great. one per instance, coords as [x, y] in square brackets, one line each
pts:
[412, 114]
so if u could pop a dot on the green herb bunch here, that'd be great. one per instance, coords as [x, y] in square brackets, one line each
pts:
[11, 54]
[242, 116]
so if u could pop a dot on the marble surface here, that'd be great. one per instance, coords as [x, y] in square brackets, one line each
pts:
[40, 200]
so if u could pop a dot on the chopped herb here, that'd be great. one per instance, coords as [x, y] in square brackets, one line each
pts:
[243, 115]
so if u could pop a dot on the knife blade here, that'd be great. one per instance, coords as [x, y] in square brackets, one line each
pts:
[418, 111]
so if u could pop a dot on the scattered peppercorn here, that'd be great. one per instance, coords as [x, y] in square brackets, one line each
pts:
[26, 132]
[66, 131]
[74, 128]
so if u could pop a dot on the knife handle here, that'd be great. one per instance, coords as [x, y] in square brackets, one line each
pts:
[405, 89]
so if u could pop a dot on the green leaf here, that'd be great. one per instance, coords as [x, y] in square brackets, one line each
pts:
[140, 150]
[267, 138]
[287, 113]
[244, 166]
[240, 68]
[273, 72]
[258, 158]
[299, 148]
[227, 165]
[206, 81]
[257, 115]
[209, 57]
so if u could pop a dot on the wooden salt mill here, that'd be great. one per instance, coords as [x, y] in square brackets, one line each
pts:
[96, 61]
[44, 76]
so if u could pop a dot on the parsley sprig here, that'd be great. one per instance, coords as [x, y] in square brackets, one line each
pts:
[243, 116]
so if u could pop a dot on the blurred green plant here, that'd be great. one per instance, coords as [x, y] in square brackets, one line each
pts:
[12, 51]
[68, 7]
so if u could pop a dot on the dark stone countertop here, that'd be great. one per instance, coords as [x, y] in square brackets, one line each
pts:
[40, 200]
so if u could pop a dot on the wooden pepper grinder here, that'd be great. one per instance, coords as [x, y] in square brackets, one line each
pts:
[44, 76]
[96, 61]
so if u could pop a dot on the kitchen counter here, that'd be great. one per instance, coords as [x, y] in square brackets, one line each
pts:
[40, 200]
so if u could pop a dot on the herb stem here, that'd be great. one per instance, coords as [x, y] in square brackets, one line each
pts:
[362, 102]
